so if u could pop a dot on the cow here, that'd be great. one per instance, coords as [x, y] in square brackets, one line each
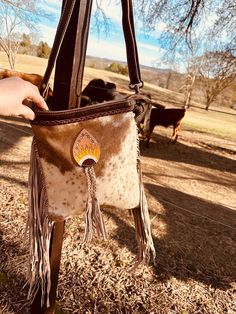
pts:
[97, 91]
[33, 78]
[164, 117]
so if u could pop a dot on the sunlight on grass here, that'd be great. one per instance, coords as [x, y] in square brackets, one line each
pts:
[211, 122]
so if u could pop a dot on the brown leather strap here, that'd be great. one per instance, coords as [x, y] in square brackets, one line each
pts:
[81, 45]
[80, 53]
[61, 30]
[65, 64]
[131, 47]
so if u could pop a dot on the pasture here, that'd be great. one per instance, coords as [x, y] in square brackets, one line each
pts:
[192, 201]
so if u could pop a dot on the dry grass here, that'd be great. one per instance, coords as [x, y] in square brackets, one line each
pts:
[191, 194]
[216, 123]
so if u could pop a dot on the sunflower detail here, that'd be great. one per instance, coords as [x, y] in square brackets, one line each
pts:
[86, 150]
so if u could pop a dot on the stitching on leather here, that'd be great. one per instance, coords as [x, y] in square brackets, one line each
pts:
[83, 118]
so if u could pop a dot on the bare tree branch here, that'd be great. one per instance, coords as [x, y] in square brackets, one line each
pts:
[102, 22]
[218, 71]
[15, 15]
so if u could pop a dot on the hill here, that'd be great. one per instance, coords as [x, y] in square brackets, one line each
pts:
[155, 80]
[171, 80]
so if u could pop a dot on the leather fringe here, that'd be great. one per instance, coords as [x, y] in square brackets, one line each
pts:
[93, 214]
[143, 226]
[40, 230]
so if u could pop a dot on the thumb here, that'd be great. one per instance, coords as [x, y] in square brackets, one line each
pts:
[26, 112]
[33, 94]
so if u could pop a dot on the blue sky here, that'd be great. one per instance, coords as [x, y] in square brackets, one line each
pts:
[108, 45]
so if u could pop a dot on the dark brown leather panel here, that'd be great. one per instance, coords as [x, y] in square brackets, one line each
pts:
[80, 114]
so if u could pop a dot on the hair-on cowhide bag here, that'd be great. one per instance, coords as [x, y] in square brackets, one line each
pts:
[83, 160]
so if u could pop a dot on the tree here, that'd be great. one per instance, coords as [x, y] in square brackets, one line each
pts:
[196, 22]
[29, 44]
[192, 68]
[14, 16]
[218, 71]
[182, 18]
[26, 41]
[188, 89]
[43, 50]
[118, 68]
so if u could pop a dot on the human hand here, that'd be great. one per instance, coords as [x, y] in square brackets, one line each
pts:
[13, 95]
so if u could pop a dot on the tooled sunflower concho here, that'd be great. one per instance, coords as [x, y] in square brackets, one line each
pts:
[86, 150]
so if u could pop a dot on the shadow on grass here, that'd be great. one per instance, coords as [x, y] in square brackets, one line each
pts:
[180, 152]
[16, 181]
[11, 288]
[193, 247]
[11, 133]
[199, 239]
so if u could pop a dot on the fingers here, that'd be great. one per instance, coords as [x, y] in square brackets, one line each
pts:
[26, 112]
[33, 94]
[14, 93]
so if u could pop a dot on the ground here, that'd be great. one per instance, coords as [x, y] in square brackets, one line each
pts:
[191, 190]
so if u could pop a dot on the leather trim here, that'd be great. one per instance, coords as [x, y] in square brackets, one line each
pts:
[82, 114]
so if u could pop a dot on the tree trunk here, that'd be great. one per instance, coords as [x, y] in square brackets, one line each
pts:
[209, 100]
[168, 80]
[207, 106]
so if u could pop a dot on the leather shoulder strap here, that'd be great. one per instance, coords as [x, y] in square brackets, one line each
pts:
[131, 45]
[81, 45]
[66, 14]
[130, 40]
[80, 53]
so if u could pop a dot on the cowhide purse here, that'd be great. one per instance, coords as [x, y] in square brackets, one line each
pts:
[82, 160]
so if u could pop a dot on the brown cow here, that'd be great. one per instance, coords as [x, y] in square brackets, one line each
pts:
[164, 117]
[33, 78]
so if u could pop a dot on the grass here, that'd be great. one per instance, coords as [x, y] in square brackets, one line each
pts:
[3, 278]
[190, 188]
[25, 63]
[215, 123]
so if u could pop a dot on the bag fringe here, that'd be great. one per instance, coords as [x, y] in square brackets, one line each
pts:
[93, 217]
[143, 226]
[41, 227]
[40, 231]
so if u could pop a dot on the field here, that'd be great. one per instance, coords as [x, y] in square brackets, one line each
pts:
[191, 191]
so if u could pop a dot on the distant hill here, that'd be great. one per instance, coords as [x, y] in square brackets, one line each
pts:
[164, 85]
[171, 80]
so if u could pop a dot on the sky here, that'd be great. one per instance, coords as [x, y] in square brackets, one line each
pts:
[108, 44]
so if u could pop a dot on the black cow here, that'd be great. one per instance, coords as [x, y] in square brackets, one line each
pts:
[97, 91]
